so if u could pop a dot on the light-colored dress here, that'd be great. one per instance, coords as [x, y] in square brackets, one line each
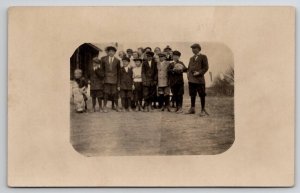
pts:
[77, 96]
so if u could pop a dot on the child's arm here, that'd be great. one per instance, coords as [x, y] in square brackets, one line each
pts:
[184, 67]
[118, 75]
[181, 70]
[100, 72]
[155, 78]
[171, 68]
[132, 79]
[143, 73]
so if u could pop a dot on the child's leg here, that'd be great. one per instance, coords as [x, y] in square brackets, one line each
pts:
[177, 101]
[113, 103]
[116, 104]
[116, 97]
[123, 102]
[140, 104]
[129, 103]
[94, 103]
[100, 102]
[85, 104]
[167, 98]
[126, 99]
[105, 100]
[161, 100]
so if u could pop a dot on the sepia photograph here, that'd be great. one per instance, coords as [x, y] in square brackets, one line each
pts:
[151, 96]
[173, 98]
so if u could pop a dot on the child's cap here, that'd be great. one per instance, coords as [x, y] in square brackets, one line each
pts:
[137, 59]
[196, 46]
[129, 50]
[168, 48]
[96, 60]
[161, 55]
[177, 53]
[126, 59]
[151, 54]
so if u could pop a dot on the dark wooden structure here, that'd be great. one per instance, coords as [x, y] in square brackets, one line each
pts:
[82, 58]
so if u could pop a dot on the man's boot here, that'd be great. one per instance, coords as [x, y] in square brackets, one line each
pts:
[191, 111]
[167, 103]
[203, 113]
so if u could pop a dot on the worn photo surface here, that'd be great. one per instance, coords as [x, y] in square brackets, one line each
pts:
[176, 96]
[141, 123]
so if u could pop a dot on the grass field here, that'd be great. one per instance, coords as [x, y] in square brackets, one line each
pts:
[155, 133]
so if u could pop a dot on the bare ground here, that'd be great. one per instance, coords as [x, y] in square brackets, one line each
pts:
[155, 133]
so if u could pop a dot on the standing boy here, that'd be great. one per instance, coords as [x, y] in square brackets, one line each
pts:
[96, 79]
[198, 66]
[176, 82]
[112, 74]
[135, 55]
[149, 78]
[168, 52]
[138, 84]
[126, 84]
[163, 80]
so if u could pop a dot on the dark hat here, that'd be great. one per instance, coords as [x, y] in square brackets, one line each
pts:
[196, 46]
[126, 58]
[111, 48]
[151, 54]
[177, 53]
[162, 55]
[167, 48]
[96, 60]
[138, 59]
[129, 50]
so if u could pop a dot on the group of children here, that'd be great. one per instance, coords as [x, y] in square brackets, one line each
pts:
[140, 78]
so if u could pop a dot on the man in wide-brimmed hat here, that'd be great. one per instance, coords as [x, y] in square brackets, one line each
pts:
[112, 76]
[198, 66]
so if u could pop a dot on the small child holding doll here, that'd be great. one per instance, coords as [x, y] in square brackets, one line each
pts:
[79, 92]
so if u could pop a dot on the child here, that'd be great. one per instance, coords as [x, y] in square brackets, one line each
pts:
[79, 92]
[135, 55]
[176, 82]
[126, 84]
[163, 82]
[149, 78]
[138, 84]
[111, 77]
[168, 52]
[96, 78]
